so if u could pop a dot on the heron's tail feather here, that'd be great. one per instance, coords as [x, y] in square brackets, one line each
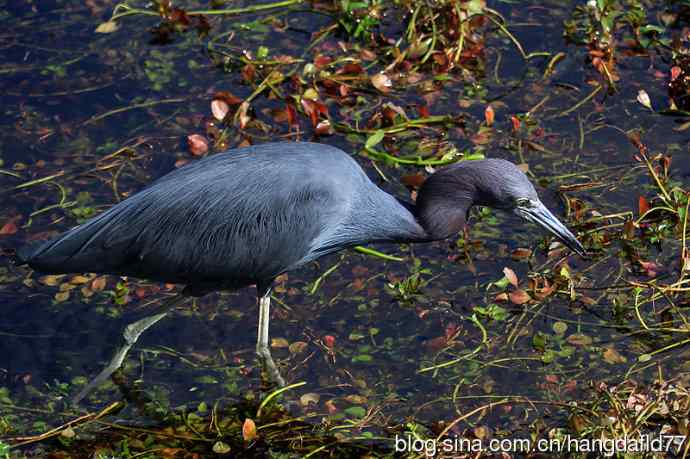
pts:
[68, 252]
[24, 254]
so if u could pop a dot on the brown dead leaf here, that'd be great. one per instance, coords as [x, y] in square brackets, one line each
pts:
[79, 280]
[578, 339]
[613, 357]
[521, 253]
[62, 296]
[107, 27]
[501, 297]
[330, 407]
[310, 398]
[242, 115]
[279, 343]
[413, 181]
[382, 82]
[50, 280]
[98, 284]
[519, 296]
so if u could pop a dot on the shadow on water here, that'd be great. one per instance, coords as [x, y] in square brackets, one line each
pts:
[444, 342]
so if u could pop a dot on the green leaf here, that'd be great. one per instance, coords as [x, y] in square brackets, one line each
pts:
[560, 327]
[539, 341]
[356, 412]
[502, 282]
[374, 139]
[262, 52]
[652, 28]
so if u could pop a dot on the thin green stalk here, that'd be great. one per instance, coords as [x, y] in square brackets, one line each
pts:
[317, 282]
[581, 103]
[276, 393]
[129, 11]
[376, 253]
[152, 103]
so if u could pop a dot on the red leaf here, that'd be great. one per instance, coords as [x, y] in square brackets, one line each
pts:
[313, 109]
[489, 115]
[179, 16]
[8, 228]
[436, 344]
[198, 145]
[248, 430]
[643, 205]
[324, 128]
[352, 68]
[322, 61]
[248, 73]
[675, 72]
[652, 268]
[227, 97]
[329, 341]
[516, 123]
[291, 115]
[309, 107]
[343, 90]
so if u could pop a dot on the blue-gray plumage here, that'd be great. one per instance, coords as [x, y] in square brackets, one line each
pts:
[246, 216]
[234, 219]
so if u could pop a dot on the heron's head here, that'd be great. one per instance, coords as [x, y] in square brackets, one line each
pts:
[501, 184]
[493, 183]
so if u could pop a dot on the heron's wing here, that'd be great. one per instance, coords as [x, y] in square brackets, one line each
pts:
[228, 220]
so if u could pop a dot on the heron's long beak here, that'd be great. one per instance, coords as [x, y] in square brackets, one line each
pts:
[537, 212]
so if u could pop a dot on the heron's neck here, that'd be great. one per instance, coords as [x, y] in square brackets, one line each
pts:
[443, 202]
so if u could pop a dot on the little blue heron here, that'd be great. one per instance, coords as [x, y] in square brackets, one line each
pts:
[246, 216]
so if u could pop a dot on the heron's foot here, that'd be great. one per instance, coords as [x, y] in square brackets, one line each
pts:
[268, 366]
[131, 334]
[115, 363]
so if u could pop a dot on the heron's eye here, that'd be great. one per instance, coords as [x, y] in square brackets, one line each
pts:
[524, 202]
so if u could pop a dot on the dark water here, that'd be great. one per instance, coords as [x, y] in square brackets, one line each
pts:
[57, 77]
